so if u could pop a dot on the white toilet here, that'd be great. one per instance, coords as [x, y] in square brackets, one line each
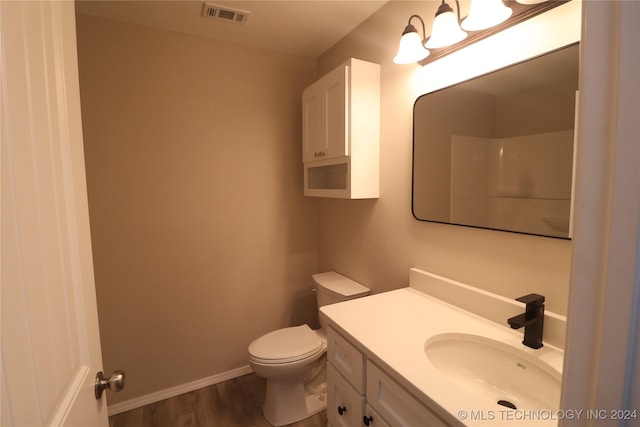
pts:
[293, 361]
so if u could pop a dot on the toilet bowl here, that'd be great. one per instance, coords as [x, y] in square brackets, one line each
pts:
[293, 359]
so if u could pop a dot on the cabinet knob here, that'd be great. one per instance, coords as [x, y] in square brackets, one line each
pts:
[367, 420]
[342, 410]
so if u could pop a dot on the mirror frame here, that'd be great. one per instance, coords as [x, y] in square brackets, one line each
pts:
[413, 159]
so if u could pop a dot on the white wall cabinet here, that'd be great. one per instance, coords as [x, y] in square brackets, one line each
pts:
[341, 132]
[360, 393]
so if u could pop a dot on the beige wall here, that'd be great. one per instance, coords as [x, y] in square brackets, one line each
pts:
[376, 241]
[202, 239]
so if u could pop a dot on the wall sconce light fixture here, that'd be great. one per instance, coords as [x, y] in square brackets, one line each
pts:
[485, 14]
[451, 33]
[411, 47]
[446, 27]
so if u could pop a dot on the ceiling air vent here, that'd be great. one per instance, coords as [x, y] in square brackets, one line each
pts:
[225, 13]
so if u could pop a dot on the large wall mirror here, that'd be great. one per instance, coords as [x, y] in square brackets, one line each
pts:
[496, 151]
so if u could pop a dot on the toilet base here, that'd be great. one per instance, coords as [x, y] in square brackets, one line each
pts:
[287, 403]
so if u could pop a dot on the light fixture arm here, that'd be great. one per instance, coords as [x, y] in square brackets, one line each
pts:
[410, 27]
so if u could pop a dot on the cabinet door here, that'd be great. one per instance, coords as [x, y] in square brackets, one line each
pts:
[345, 406]
[325, 117]
[336, 98]
[395, 404]
[312, 123]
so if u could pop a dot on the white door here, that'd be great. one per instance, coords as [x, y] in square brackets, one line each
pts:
[50, 340]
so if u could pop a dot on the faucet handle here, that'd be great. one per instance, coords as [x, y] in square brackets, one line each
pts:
[532, 299]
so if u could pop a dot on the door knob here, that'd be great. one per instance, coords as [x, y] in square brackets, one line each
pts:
[115, 382]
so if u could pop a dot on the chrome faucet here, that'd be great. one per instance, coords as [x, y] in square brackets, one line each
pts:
[532, 320]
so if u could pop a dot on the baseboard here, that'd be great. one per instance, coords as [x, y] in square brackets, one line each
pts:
[177, 390]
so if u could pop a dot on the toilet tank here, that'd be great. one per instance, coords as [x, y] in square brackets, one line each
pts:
[334, 287]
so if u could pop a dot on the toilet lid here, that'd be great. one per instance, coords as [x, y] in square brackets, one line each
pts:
[286, 345]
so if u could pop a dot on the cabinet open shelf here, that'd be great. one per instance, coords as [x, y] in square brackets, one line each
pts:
[330, 177]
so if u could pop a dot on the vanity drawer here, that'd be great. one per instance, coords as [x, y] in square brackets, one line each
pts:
[395, 404]
[373, 418]
[345, 405]
[346, 358]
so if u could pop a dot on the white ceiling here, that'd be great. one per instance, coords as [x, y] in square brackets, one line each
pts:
[300, 27]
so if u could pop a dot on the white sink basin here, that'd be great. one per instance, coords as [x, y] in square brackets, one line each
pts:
[495, 371]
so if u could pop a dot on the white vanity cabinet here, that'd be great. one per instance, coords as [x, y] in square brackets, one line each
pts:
[341, 132]
[359, 393]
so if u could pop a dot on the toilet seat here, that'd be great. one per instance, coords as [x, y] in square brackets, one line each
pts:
[286, 345]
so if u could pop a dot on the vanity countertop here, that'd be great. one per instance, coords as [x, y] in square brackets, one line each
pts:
[392, 327]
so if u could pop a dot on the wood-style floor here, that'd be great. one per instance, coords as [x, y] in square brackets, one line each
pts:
[233, 403]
